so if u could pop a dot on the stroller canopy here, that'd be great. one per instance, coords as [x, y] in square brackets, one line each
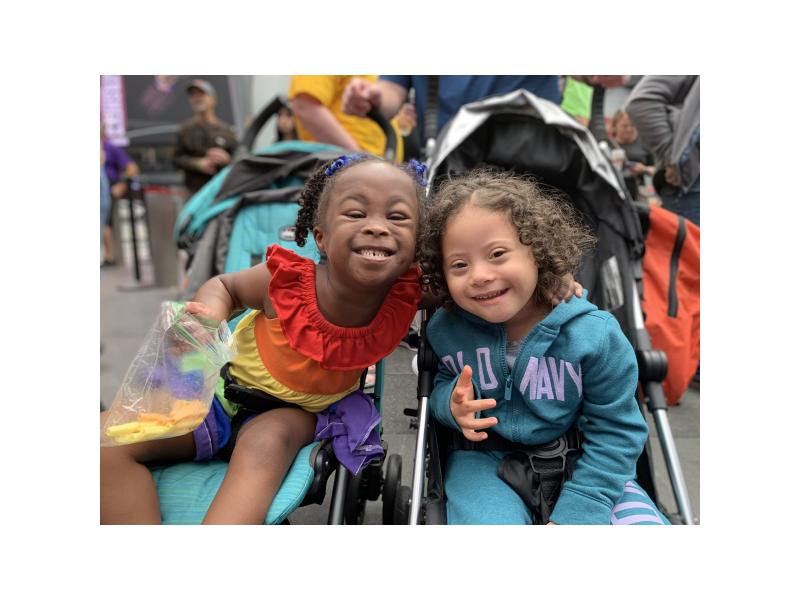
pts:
[531, 136]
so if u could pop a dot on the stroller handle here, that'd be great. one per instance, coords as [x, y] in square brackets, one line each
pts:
[597, 123]
[390, 153]
[258, 123]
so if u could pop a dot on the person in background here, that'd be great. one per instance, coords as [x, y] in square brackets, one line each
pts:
[286, 128]
[390, 92]
[577, 100]
[639, 162]
[407, 125]
[118, 168]
[665, 109]
[316, 101]
[105, 197]
[205, 142]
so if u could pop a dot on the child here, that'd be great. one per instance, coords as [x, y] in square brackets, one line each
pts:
[314, 329]
[495, 246]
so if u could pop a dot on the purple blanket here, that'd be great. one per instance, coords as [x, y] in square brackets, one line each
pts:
[352, 422]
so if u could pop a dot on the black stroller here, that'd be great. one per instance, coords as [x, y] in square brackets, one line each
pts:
[528, 135]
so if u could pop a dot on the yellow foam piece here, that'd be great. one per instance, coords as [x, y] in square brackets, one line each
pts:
[185, 416]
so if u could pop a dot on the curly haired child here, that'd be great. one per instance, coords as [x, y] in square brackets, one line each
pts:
[515, 371]
[313, 330]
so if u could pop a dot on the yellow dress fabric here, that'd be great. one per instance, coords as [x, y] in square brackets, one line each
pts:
[266, 362]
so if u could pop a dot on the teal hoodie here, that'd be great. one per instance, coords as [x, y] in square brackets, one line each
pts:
[575, 363]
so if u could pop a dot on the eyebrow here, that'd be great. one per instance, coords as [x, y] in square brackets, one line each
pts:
[361, 199]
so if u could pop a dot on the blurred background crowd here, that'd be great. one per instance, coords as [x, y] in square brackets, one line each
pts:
[168, 135]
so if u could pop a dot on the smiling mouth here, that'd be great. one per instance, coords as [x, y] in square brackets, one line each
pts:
[490, 295]
[374, 253]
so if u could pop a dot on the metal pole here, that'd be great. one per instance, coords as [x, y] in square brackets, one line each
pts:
[136, 271]
[670, 453]
[657, 407]
[418, 481]
[336, 515]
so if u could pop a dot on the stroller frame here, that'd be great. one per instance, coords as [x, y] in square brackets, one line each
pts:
[350, 493]
[652, 363]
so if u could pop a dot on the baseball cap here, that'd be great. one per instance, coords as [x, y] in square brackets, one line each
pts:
[202, 85]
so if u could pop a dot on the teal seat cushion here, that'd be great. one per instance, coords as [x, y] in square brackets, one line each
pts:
[186, 490]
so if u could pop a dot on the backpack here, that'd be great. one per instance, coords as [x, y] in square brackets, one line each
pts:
[671, 301]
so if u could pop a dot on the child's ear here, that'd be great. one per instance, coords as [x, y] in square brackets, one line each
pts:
[319, 238]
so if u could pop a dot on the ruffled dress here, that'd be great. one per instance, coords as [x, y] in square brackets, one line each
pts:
[302, 358]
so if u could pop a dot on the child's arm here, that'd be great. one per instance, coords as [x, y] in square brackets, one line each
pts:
[614, 432]
[220, 296]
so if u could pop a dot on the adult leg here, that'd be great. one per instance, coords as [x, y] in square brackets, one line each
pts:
[127, 490]
[687, 205]
[636, 508]
[264, 450]
[476, 495]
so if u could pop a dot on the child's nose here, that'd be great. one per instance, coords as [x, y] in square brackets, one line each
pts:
[375, 226]
[481, 274]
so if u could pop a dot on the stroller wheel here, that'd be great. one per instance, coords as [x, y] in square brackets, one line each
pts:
[355, 501]
[394, 468]
[402, 505]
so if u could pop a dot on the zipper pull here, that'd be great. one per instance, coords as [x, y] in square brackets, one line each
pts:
[509, 384]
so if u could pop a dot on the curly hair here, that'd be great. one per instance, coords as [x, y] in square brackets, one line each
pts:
[544, 221]
[314, 197]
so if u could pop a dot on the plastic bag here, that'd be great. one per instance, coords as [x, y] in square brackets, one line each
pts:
[169, 386]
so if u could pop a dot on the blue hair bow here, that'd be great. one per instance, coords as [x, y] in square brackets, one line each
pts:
[343, 161]
[418, 170]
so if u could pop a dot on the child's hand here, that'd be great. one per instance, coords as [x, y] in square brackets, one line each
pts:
[568, 288]
[200, 309]
[201, 331]
[463, 406]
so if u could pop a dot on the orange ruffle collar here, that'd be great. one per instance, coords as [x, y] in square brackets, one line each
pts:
[292, 291]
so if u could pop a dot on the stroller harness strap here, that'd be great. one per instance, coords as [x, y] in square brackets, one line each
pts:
[535, 473]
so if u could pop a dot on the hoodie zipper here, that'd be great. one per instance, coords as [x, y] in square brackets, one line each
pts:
[509, 383]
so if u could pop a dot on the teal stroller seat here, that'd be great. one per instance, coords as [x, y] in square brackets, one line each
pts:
[185, 490]
[225, 227]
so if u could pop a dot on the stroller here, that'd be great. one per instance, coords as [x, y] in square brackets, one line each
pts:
[528, 135]
[226, 226]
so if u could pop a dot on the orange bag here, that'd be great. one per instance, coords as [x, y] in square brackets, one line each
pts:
[671, 302]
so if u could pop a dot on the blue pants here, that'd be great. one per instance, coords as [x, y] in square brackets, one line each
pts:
[477, 496]
[687, 205]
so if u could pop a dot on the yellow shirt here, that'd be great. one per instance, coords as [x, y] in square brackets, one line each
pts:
[328, 89]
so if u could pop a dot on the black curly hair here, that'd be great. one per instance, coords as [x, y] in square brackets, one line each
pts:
[314, 197]
[544, 221]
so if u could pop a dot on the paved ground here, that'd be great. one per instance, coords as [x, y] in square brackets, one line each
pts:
[127, 312]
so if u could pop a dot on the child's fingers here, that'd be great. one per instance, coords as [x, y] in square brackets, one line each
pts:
[481, 404]
[463, 388]
[483, 423]
[474, 436]
[465, 378]
[198, 308]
